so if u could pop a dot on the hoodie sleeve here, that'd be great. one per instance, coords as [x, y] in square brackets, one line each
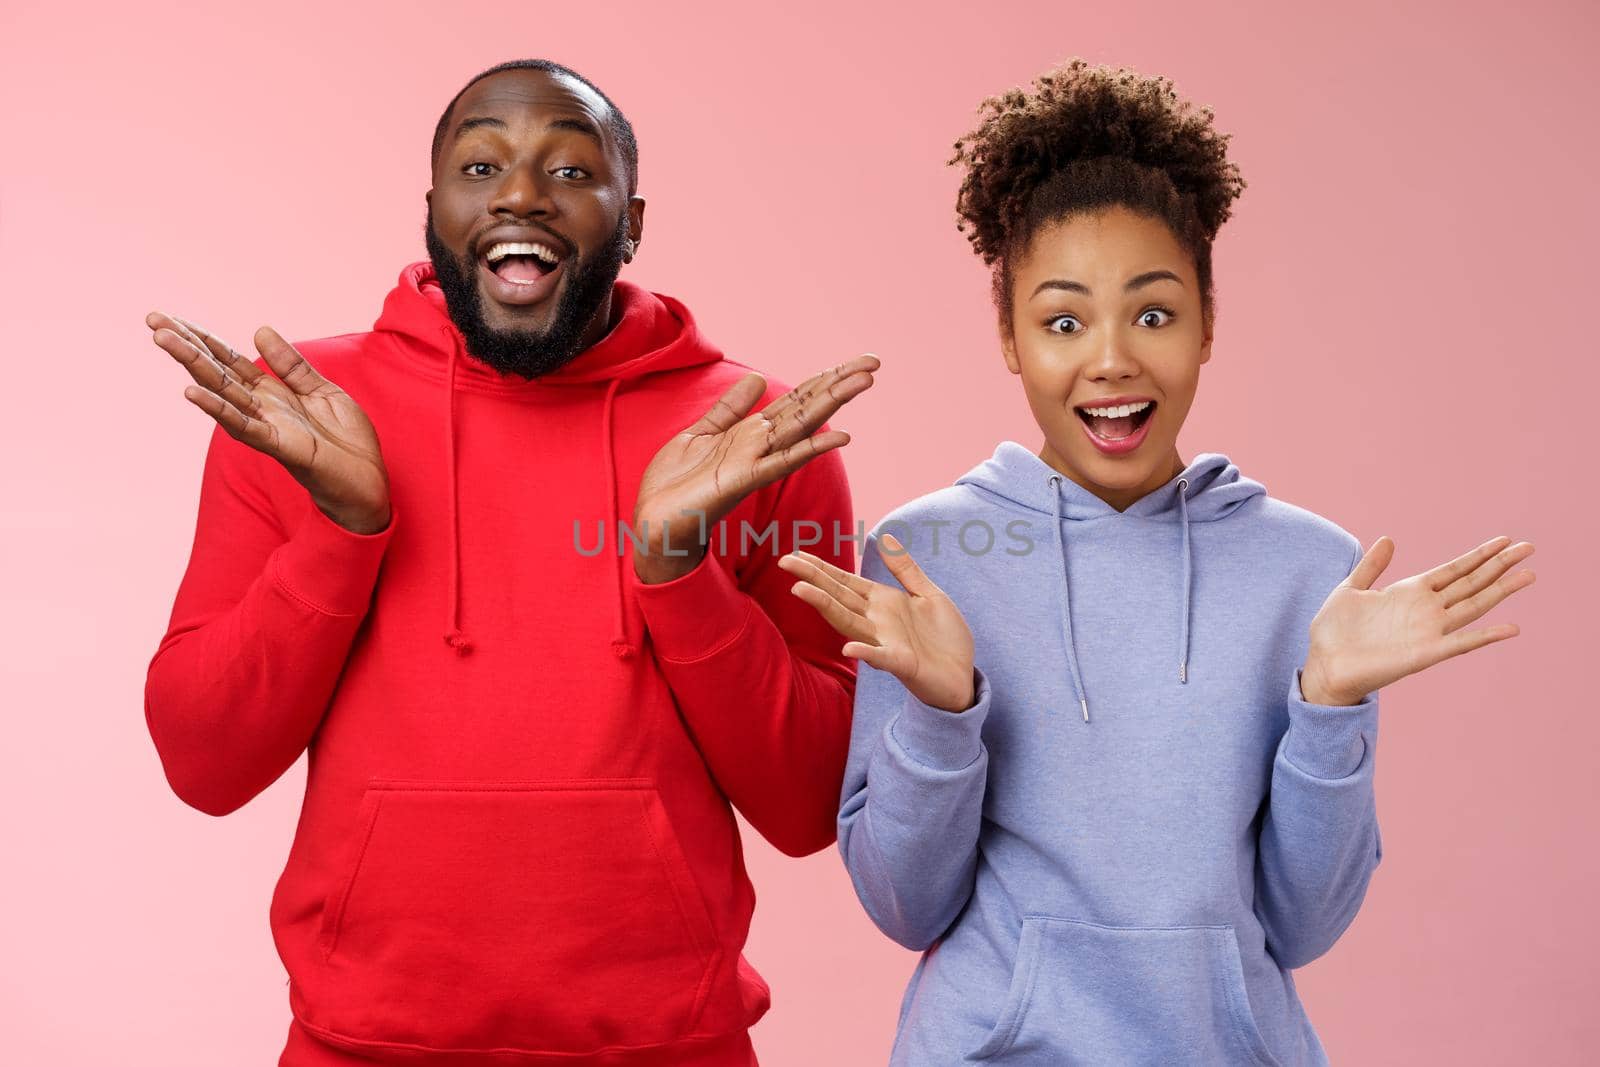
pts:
[258, 636]
[912, 801]
[756, 672]
[1320, 840]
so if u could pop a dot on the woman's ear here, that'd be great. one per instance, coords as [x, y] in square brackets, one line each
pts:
[1008, 346]
[1205, 346]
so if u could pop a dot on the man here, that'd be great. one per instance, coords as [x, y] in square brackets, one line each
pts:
[516, 844]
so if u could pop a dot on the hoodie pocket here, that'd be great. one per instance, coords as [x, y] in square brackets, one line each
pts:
[1083, 993]
[553, 916]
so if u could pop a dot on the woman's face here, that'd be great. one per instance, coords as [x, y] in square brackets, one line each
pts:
[1105, 317]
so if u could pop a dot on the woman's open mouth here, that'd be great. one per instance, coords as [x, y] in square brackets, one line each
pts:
[1117, 429]
[521, 272]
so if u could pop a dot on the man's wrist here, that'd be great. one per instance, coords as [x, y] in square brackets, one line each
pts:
[363, 521]
[654, 570]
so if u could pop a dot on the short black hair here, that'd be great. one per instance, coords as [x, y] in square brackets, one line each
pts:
[620, 127]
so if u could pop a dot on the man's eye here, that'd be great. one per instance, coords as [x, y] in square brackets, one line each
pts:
[1059, 324]
[572, 173]
[1144, 316]
[473, 169]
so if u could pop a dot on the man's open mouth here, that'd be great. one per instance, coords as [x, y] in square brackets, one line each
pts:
[521, 262]
[1117, 422]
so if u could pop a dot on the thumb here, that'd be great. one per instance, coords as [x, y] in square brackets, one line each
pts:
[1371, 564]
[287, 363]
[905, 569]
[732, 405]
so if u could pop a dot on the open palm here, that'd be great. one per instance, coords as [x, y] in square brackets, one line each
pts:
[702, 472]
[1363, 638]
[915, 633]
[299, 418]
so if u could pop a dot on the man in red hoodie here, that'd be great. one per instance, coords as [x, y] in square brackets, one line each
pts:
[516, 844]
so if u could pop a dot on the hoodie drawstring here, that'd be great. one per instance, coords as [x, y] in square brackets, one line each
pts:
[1066, 607]
[453, 635]
[619, 640]
[1188, 581]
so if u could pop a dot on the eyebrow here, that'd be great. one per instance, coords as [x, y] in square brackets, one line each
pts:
[1138, 281]
[576, 125]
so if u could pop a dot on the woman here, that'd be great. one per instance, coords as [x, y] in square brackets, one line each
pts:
[1112, 761]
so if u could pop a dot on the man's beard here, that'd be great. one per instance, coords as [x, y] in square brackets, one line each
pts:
[529, 353]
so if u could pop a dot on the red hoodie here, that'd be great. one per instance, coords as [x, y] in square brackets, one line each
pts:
[516, 844]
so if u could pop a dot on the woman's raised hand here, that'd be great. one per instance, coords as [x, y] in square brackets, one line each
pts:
[1364, 638]
[916, 633]
[302, 420]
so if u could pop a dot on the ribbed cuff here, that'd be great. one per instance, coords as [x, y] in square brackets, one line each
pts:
[329, 568]
[695, 615]
[939, 739]
[1327, 741]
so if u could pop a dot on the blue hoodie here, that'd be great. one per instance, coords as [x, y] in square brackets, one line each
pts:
[1117, 855]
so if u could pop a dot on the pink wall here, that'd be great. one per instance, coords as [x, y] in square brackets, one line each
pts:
[1403, 345]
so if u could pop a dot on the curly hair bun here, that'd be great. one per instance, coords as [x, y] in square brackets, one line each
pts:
[1088, 136]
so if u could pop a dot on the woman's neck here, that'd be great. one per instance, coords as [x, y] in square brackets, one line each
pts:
[1117, 496]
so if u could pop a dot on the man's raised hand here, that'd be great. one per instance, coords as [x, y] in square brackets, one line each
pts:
[299, 418]
[703, 472]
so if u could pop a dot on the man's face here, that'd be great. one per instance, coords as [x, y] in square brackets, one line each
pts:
[528, 219]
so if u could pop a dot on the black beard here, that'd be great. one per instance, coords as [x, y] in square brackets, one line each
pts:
[529, 353]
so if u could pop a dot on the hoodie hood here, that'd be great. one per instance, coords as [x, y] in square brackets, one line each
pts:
[652, 333]
[1209, 488]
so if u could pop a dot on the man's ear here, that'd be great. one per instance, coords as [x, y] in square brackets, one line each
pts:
[427, 198]
[636, 221]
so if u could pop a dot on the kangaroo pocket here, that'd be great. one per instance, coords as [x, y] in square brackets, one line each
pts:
[552, 916]
[1083, 993]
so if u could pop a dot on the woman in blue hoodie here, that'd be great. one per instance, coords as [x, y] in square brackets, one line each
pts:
[1112, 760]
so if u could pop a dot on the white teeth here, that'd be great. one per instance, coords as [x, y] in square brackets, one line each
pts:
[503, 249]
[1119, 412]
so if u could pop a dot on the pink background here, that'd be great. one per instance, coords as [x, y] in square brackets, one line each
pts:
[1404, 345]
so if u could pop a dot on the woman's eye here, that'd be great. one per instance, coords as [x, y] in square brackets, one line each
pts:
[1059, 324]
[1144, 317]
[473, 169]
[572, 173]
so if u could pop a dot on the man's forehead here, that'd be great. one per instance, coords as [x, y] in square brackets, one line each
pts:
[533, 96]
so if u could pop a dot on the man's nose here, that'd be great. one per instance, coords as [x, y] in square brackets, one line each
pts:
[523, 192]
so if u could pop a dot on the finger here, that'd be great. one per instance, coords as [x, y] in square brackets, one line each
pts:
[873, 655]
[797, 414]
[1479, 603]
[1371, 564]
[848, 623]
[207, 373]
[246, 369]
[234, 390]
[1445, 573]
[734, 404]
[1467, 640]
[801, 565]
[905, 569]
[288, 364]
[854, 582]
[820, 382]
[769, 469]
[256, 433]
[1485, 573]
